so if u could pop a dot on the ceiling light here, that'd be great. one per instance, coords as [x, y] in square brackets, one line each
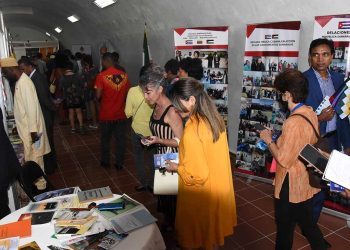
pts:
[73, 18]
[58, 29]
[104, 3]
[48, 34]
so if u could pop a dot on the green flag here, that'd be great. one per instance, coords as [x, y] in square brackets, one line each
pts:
[146, 52]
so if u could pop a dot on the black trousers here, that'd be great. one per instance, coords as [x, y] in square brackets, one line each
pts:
[4, 203]
[288, 214]
[118, 130]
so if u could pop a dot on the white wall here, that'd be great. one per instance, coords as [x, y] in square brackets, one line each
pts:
[24, 34]
[122, 26]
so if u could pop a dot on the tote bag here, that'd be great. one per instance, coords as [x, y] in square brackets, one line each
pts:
[165, 183]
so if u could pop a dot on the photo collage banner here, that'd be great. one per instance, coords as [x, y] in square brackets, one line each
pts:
[210, 45]
[337, 28]
[269, 49]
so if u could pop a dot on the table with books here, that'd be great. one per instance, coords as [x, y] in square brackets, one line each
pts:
[65, 222]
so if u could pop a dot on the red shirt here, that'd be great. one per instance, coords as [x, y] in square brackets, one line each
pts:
[115, 85]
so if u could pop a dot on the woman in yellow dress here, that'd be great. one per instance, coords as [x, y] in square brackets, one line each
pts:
[206, 208]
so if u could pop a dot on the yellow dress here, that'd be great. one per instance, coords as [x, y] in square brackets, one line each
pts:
[206, 208]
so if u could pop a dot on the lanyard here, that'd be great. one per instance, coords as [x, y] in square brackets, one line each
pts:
[296, 107]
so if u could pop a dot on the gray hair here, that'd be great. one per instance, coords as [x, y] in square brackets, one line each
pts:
[153, 76]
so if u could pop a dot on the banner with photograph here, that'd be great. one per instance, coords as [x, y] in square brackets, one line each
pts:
[269, 49]
[210, 45]
[337, 28]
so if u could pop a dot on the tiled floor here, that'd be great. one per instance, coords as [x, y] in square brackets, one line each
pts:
[78, 158]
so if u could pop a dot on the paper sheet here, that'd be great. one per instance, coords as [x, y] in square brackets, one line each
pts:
[337, 169]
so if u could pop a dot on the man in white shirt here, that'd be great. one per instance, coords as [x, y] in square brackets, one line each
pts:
[28, 115]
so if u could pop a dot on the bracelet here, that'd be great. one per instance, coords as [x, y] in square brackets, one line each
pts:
[177, 140]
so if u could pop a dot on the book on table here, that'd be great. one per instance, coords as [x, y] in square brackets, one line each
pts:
[37, 218]
[95, 194]
[132, 217]
[30, 246]
[19, 228]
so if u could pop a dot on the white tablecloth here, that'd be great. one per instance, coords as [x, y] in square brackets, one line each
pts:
[146, 238]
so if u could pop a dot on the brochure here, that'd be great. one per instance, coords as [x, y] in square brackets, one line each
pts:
[9, 243]
[57, 193]
[95, 194]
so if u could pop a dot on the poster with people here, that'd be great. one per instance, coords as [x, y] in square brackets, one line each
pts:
[337, 28]
[210, 45]
[270, 48]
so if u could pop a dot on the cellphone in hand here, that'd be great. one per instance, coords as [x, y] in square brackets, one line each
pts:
[310, 154]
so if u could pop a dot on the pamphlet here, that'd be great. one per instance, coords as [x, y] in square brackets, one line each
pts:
[337, 169]
[95, 194]
[56, 193]
[19, 228]
[42, 206]
[9, 243]
[160, 159]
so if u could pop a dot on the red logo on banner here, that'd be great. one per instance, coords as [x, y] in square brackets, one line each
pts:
[323, 20]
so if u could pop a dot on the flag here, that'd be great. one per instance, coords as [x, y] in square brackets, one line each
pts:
[146, 58]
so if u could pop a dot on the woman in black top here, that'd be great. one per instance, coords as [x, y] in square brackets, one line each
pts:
[166, 126]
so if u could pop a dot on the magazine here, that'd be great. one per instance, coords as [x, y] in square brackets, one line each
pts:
[56, 193]
[42, 206]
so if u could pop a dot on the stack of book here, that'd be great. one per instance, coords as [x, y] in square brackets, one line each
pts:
[73, 221]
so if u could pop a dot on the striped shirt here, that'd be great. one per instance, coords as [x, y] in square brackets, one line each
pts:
[163, 131]
[327, 89]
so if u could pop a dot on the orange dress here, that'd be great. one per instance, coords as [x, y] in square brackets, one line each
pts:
[206, 207]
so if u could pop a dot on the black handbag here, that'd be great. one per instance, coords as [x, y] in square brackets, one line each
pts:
[315, 178]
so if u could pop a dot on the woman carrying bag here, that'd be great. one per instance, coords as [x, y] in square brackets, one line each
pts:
[206, 208]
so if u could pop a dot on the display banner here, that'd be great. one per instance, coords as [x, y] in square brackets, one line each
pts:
[210, 45]
[337, 28]
[269, 49]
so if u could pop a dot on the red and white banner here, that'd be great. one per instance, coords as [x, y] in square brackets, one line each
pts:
[269, 49]
[210, 45]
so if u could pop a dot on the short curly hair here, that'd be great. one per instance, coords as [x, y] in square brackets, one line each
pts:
[294, 82]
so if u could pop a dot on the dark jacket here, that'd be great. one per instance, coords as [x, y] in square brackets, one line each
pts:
[314, 99]
[9, 164]
[44, 96]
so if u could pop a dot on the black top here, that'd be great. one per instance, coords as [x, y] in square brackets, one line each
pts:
[163, 131]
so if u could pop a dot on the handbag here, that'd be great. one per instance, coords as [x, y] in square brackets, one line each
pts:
[52, 87]
[315, 178]
[165, 183]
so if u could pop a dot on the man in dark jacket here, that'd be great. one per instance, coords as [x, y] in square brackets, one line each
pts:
[47, 107]
[9, 168]
[323, 82]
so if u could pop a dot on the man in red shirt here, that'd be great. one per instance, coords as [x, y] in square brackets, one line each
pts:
[112, 86]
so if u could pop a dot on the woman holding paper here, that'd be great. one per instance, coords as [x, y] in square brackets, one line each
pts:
[293, 193]
[166, 127]
[206, 208]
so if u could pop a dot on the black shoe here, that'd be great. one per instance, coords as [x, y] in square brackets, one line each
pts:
[118, 166]
[105, 165]
[140, 188]
[327, 244]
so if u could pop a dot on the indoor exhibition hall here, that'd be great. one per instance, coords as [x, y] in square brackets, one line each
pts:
[178, 125]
